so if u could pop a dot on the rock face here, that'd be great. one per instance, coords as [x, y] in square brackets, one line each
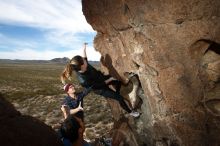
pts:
[18, 130]
[173, 47]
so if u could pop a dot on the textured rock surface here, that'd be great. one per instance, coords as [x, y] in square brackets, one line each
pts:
[21, 130]
[173, 47]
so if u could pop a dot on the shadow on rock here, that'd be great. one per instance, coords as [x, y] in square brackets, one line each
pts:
[20, 130]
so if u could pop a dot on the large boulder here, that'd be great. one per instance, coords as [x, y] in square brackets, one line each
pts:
[173, 47]
[20, 130]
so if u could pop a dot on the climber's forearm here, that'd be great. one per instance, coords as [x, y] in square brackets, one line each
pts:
[84, 51]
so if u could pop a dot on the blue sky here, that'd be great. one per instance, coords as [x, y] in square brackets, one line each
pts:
[44, 29]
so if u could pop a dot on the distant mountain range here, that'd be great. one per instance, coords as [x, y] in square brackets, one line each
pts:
[63, 60]
[60, 60]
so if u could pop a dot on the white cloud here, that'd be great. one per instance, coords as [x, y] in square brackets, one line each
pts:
[30, 54]
[12, 42]
[28, 50]
[64, 39]
[61, 22]
[65, 15]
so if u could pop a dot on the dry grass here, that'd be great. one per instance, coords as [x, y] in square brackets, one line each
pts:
[36, 90]
[21, 80]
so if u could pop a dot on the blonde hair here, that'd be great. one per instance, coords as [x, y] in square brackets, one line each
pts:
[66, 74]
[74, 64]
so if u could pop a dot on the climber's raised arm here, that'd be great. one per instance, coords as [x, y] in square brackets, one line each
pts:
[84, 50]
[85, 59]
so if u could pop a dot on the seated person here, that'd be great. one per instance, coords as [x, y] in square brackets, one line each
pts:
[71, 132]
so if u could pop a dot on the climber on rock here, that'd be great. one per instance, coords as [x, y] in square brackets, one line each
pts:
[89, 77]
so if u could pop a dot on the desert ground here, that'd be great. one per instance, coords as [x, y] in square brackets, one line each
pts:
[34, 88]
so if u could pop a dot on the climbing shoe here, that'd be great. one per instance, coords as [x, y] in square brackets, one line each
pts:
[135, 114]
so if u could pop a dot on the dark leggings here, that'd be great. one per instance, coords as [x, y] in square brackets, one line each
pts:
[116, 84]
[108, 93]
